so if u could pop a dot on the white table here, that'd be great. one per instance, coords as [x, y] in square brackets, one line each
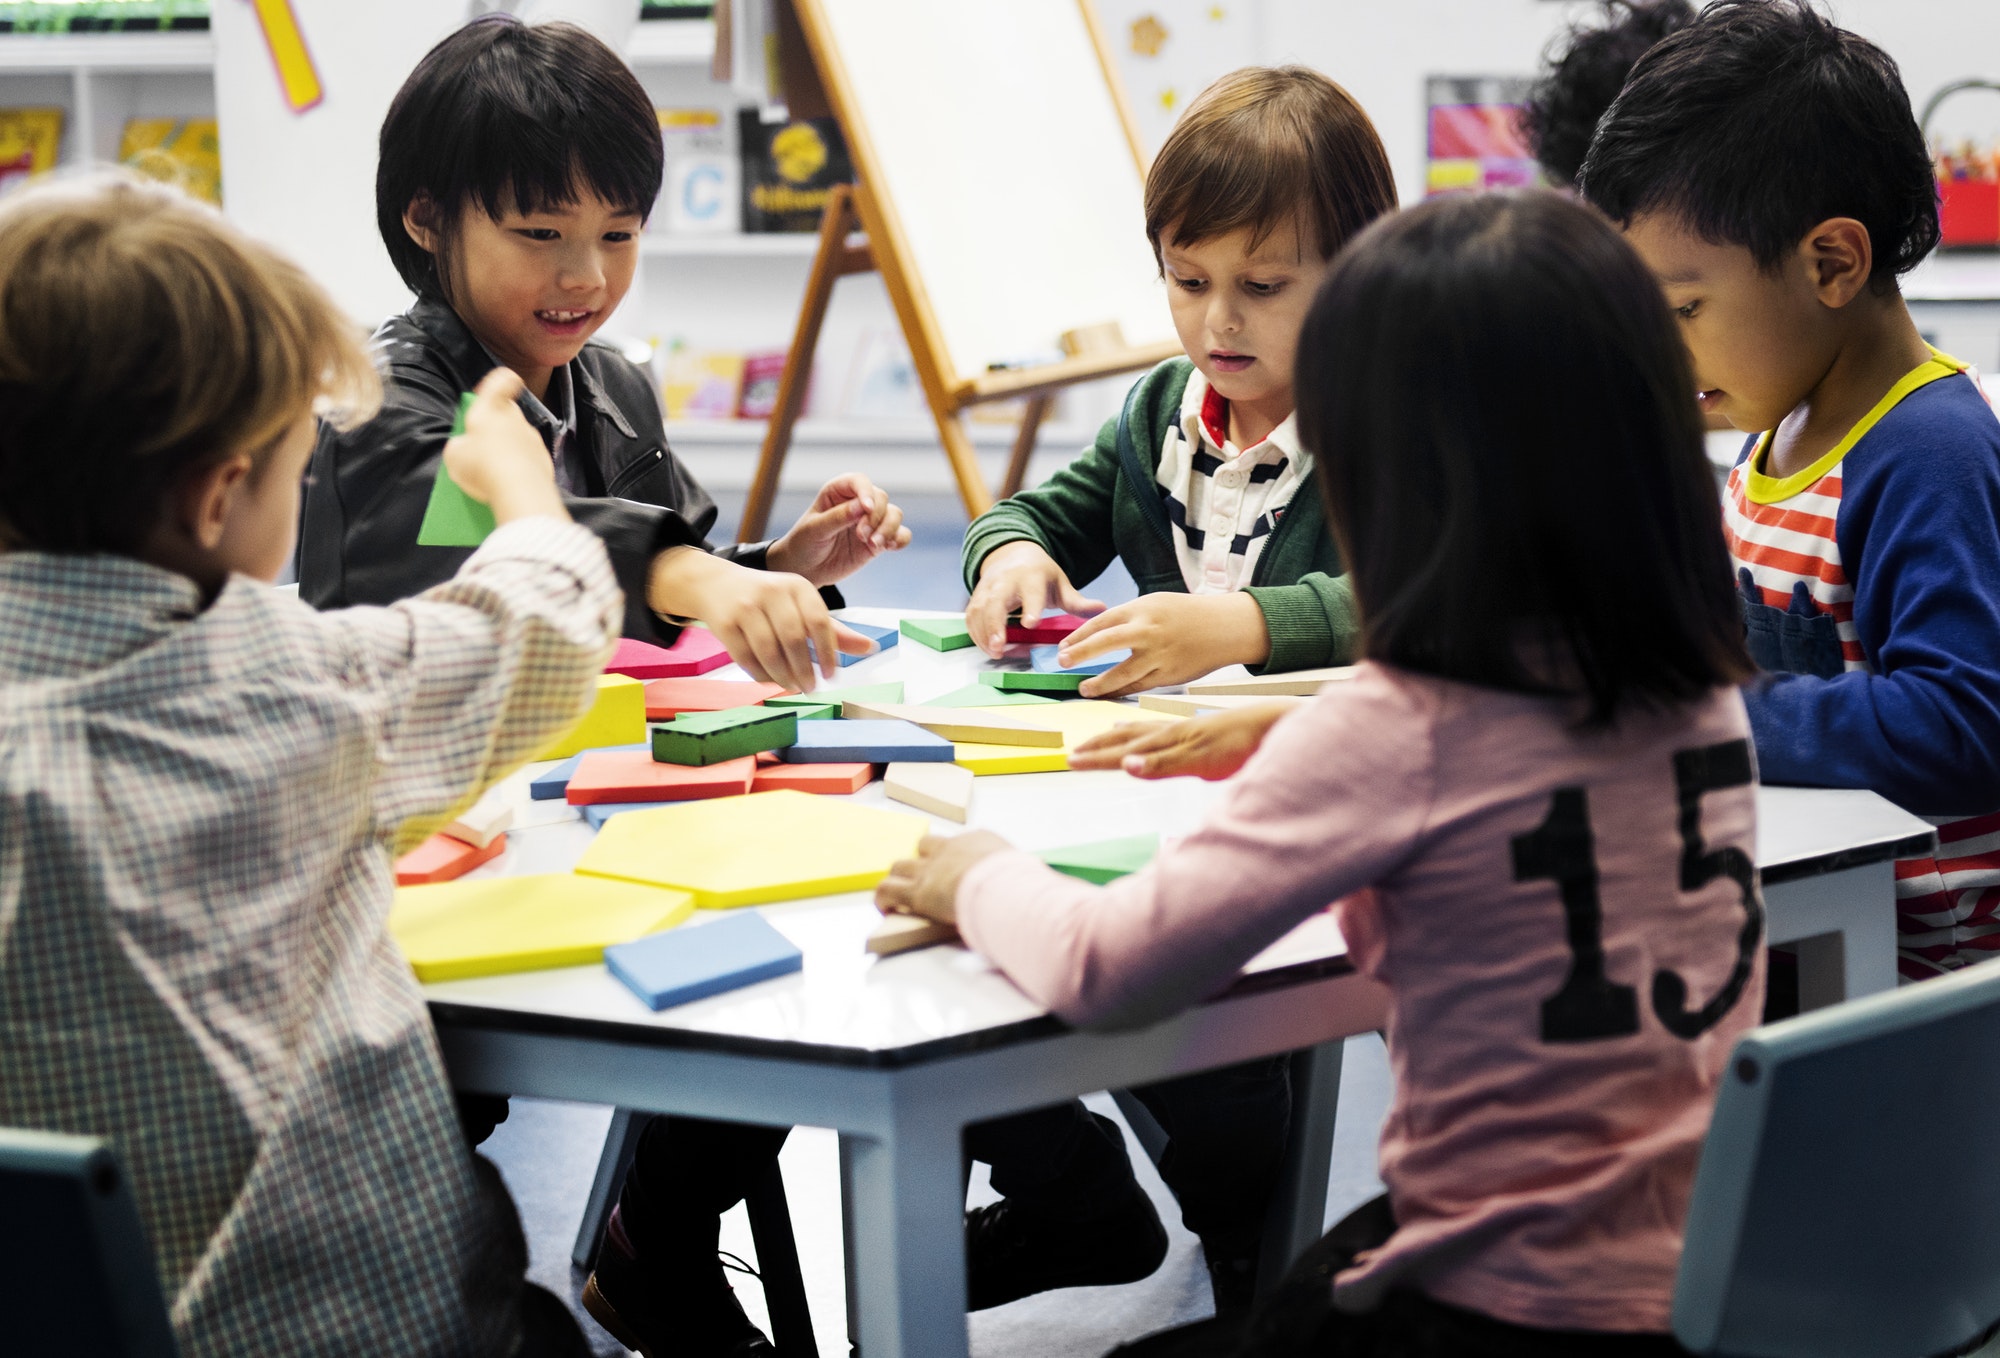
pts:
[899, 1054]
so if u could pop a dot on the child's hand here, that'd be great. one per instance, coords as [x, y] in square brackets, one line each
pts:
[500, 460]
[1173, 638]
[927, 885]
[765, 619]
[1018, 577]
[1212, 747]
[851, 522]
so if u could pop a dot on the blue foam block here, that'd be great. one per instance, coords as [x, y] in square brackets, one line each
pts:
[866, 742]
[693, 963]
[1045, 662]
[551, 786]
[601, 812]
[883, 637]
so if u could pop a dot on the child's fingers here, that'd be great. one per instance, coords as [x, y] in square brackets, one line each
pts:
[1110, 749]
[852, 642]
[986, 615]
[1131, 675]
[894, 892]
[1103, 634]
[1034, 593]
[1078, 604]
[889, 533]
[501, 387]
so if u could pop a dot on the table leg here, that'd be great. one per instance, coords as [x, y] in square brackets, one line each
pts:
[903, 1199]
[1298, 1213]
[1843, 925]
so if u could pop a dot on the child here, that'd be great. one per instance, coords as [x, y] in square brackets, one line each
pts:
[1265, 177]
[1767, 167]
[203, 784]
[1534, 804]
[1562, 109]
[518, 165]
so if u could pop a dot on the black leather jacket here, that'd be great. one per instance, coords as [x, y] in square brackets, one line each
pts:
[368, 487]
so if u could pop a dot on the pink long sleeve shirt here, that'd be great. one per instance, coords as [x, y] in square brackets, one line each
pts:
[1569, 927]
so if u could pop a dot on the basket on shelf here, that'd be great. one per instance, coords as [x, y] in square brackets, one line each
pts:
[1968, 180]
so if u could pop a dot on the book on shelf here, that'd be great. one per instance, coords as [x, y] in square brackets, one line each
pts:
[676, 9]
[184, 152]
[30, 140]
[789, 170]
[103, 16]
[761, 375]
[698, 193]
[701, 384]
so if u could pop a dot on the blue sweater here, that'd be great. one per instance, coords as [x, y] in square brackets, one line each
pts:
[1919, 537]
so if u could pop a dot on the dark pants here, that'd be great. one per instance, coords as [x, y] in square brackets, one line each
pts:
[686, 1172]
[1299, 1319]
[498, 1295]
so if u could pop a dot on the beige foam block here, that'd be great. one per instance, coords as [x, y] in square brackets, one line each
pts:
[973, 725]
[941, 789]
[1189, 705]
[482, 822]
[1078, 720]
[906, 933]
[1296, 684]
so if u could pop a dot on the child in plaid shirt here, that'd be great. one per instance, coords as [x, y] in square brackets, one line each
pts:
[203, 783]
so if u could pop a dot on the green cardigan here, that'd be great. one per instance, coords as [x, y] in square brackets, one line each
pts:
[1107, 503]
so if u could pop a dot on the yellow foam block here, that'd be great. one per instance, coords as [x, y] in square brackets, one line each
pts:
[986, 759]
[1078, 721]
[617, 717]
[504, 924]
[768, 846]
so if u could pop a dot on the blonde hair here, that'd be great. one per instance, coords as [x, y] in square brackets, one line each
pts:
[141, 338]
[1267, 145]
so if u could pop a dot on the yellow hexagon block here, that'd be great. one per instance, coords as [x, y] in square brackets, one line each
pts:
[617, 717]
[768, 846]
[504, 924]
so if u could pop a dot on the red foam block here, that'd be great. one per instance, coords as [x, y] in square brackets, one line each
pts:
[442, 858]
[696, 652]
[668, 698]
[1049, 630]
[633, 776]
[832, 780]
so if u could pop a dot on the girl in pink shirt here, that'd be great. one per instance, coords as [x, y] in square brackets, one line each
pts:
[1533, 806]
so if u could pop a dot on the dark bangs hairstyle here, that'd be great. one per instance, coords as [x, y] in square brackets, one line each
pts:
[1504, 427]
[1760, 120]
[510, 116]
[1562, 109]
[1267, 145]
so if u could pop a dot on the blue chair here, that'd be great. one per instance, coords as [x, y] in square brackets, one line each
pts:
[1847, 1203]
[76, 1271]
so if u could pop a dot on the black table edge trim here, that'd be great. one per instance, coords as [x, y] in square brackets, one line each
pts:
[1820, 865]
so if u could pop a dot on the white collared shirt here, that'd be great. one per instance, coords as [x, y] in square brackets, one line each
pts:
[1224, 501]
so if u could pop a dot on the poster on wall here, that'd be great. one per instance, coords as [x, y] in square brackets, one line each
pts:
[1473, 137]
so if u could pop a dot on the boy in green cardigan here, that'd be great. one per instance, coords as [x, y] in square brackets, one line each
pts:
[1201, 487]
[1194, 485]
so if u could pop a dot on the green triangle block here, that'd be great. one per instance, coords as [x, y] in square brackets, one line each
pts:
[983, 695]
[698, 739]
[860, 693]
[816, 711]
[453, 518]
[1105, 861]
[1028, 681]
[940, 634]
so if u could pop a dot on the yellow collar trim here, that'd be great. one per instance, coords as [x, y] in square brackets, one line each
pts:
[1764, 489]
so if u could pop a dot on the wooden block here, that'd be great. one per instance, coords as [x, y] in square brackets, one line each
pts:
[906, 933]
[1194, 705]
[883, 637]
[940, 634]
[769, 846]
[702, 738]
[825, 780]
[695, 651]
[442, 858]
[985, 695]
[616, 717]
[635, 776]
[481, 822]
[1046, 660]
[507, 924]
[941, 789]
[955, 724]
[1049, 629]
[866, 742]
[1296, 684]
[863, 693]
[668, 698]
[1106, 860]
[1030, 681]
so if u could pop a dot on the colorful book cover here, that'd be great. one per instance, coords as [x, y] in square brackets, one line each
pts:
[699, 194]
[789, 170]
[30, 139]
[761, 375]
[184, 152]
[701, 384]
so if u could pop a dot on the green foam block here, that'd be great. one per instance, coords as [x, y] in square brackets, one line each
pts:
[1106, 860]
[816, 711]
[985, 695]
[698, 739]
[940, 634]
[453, 518]
[860, 693]
[1028, 681]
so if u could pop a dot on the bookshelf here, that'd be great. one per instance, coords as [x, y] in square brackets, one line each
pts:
[101, 79]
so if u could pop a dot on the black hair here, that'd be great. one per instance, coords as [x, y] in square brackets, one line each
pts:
[1497, 402]
[511, 116]
[1562, 109]
[1758, 121]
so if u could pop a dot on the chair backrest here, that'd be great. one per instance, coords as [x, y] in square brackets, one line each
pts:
[76, 1272]
[1848, 1199]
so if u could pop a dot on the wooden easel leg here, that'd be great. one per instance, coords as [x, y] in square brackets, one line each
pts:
[964, 463]
[830, 261]
[1024, 444]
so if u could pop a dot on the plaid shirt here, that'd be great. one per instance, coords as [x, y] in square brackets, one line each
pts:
[199, 809]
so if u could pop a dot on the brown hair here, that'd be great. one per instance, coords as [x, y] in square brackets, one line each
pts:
[1263, 146]
[142, 338]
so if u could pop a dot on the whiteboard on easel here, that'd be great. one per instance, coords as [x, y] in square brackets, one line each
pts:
[992, 141]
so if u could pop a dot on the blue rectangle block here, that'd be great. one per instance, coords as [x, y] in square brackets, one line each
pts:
[693, 963]
[1045, 662]
[551, 786]
[866, 742]
[883, 637]
[601, 812]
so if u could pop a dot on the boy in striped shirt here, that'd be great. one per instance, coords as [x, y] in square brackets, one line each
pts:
[1766, 165]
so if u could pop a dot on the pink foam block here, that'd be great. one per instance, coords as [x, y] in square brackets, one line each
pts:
[696, 652]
